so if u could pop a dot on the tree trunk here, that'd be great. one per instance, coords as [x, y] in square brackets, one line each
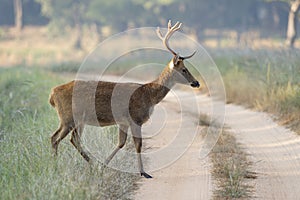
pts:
[292, 22]
[18, 15]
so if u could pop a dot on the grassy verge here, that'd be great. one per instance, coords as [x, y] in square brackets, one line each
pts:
[230, 166]
[27, 168]
[265, 80]
[230, 169]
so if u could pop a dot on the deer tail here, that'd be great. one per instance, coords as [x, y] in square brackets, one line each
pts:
[51, 100]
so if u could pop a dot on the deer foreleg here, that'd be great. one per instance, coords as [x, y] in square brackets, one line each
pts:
[137, 137]
[122, 140]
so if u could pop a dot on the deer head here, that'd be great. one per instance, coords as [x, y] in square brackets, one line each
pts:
[179, 72]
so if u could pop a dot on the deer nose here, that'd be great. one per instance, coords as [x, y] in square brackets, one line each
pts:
[195, 84]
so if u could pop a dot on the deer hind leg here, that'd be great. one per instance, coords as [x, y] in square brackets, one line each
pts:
[58, 136]
[137, 138]
[75, 140]
[54, 138]
[122, 140]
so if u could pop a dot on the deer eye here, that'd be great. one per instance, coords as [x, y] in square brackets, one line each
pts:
[184, 71]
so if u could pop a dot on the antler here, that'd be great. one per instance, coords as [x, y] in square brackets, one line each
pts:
[171, 30]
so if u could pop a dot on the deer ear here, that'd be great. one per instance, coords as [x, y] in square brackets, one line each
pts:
[171, 64]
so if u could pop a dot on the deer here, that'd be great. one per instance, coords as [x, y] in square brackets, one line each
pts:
[125, 105]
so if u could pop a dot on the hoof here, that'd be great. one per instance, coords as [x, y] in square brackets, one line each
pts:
[144, 174]
[86, 157]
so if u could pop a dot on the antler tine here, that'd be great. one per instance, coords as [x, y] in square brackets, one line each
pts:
[169, 25]
[159, 34]
[176, 26]
[187, 57]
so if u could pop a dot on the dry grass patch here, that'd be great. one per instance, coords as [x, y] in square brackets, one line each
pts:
[230, 165]
[231, 169]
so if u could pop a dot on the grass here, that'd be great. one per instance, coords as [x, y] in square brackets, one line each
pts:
[230, 165]
[264, 80]
[27, 168]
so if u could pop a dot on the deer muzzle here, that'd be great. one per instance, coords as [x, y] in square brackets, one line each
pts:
[195, 84]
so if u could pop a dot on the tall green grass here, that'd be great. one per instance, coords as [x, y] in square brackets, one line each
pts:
[27, 168]
[265, 80]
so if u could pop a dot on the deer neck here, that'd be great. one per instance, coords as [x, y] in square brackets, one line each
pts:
[159, 88]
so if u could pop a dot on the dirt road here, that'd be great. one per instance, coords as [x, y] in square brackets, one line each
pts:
[274, 151]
